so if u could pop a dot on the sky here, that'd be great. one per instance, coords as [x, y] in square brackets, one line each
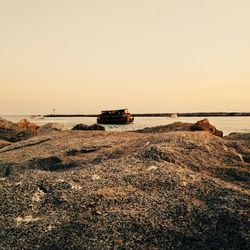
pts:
[83, 56]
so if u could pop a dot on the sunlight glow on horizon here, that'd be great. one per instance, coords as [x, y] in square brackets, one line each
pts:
[84, 56]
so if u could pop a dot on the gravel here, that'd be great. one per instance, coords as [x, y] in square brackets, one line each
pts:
[125, 190]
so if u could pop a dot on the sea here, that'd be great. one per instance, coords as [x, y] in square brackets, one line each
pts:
[226, 124]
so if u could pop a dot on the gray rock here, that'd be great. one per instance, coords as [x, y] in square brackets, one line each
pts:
[80, 127]
[96, 127]
[50, 127]
[86, 127]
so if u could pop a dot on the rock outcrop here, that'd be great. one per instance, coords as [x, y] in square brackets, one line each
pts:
[80, 126]
[96, 127]
[14, 132]
[24, 123]
[86, 127]
[176, 126]
[204, 125]
[124, 190]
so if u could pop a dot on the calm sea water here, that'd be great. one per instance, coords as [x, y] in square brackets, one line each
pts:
[226, 124]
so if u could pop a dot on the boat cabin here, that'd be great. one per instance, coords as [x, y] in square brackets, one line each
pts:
[119, 116]
[115, 112]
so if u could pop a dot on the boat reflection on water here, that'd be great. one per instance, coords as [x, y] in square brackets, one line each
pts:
[120, 116]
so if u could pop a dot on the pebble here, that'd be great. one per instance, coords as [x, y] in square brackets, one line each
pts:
[95, 177]
[28, 218]
[152, 168]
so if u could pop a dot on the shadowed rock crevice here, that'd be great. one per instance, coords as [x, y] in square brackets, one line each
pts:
[246, 158]
[52, 163]
[74, 152]
[5, 170]
[10, 169]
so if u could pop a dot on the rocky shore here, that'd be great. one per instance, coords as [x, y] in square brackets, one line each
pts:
[169, 187]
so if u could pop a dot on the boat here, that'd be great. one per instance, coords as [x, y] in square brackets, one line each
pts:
[120, 116]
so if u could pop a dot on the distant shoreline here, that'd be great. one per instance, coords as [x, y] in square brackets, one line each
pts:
[196, 114]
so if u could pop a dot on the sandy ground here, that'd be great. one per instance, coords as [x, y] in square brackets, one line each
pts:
[125, 190]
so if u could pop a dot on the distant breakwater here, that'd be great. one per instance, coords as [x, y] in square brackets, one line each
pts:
[197, 114]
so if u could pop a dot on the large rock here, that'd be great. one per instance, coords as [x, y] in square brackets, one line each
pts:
[204, 125]
[24, 123]
[80, 126]
[50, 127]
[13, 132]
[96, 127]
[176, 126]
[86, 127]
[5, 124]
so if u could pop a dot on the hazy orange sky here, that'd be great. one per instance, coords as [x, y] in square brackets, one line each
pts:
[80, 56]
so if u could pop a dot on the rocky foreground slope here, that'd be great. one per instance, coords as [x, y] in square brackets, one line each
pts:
[125, 190]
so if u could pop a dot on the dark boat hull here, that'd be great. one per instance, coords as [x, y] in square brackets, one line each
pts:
[115, 120]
